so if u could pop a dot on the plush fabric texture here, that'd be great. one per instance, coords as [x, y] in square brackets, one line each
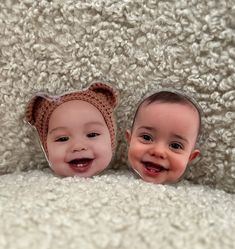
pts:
[115, 210]
[102, 96]
[138, 46]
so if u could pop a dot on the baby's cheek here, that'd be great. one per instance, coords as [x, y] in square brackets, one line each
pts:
[135, 150]
[180, 169]
[132, 156]
[55, 156]
[102, 150]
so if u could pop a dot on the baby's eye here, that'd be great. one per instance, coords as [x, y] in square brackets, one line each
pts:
[176, 146]
[93, 134]
[146, 137]
[62, 139]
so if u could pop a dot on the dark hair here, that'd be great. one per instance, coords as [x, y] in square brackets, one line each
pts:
[170, 97]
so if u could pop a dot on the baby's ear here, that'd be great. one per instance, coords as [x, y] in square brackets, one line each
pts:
[195, 153]
[128, 136]
[33, 108]
[107, 91]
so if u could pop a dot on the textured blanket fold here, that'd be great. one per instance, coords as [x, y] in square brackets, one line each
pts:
[115, 210]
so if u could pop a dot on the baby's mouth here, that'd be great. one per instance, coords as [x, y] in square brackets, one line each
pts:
[153, 168]
[80, 165]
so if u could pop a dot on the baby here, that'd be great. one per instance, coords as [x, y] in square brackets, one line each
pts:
[76, 130]
[163, 137]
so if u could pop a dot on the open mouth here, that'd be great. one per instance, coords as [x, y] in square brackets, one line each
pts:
[80, 165]
[153, 169]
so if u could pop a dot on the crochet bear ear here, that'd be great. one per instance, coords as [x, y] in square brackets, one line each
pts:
[107, 91]
[33, 108]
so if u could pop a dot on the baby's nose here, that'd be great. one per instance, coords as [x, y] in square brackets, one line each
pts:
[78, 146]
[158, 150]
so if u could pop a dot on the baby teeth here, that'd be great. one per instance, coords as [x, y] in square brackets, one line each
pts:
[81, 165]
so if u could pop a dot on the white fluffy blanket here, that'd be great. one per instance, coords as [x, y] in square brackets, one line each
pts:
[115, 210]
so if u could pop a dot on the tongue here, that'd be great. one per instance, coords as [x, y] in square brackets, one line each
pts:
[154, 169]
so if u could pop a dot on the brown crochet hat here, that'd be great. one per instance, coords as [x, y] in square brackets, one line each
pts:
[101, 95]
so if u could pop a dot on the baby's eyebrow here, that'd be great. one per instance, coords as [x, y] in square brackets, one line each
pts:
[146, 128]
[180, 137]
[95, 123]
[92, 123]
[57, 128]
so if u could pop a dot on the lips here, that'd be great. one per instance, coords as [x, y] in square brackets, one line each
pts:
[153, 169]
[80, 165]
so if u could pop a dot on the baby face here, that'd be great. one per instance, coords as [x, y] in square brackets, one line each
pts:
[162, 141]
[78, 140]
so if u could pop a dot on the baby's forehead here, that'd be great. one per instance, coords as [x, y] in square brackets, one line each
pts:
[143, 110]
[144, 105]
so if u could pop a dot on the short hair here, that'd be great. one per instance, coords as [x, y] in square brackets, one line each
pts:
[167, 96]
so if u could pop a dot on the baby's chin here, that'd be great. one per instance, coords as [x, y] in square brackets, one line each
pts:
[160, 178]
[86, 171]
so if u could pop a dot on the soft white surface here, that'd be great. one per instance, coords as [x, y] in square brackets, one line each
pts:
[115, 210]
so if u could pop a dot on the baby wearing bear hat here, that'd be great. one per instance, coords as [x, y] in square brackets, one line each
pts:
[77, 130]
